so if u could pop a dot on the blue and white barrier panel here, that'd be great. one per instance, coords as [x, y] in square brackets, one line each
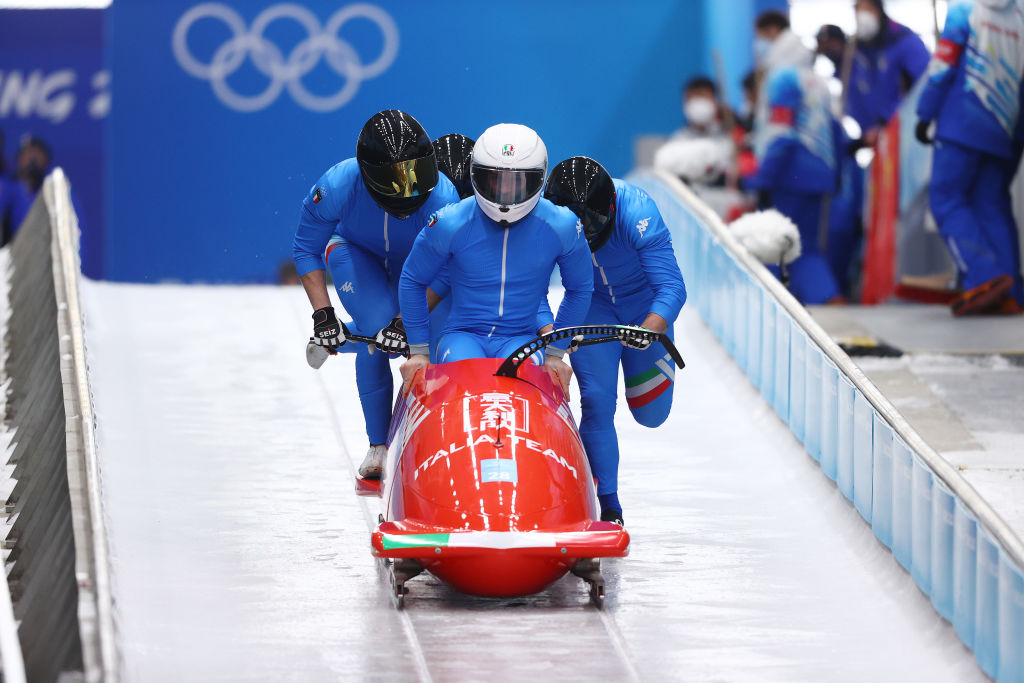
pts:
[958, 550]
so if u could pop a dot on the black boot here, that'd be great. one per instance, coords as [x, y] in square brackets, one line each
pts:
[614, 516]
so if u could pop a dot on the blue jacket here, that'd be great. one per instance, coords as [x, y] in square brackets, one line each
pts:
[635, 271]
[881, 74]
[974, 80]
[340, 204]
[498, 275]
[801, 146]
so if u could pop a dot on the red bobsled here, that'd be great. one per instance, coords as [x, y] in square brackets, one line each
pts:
[487, 484]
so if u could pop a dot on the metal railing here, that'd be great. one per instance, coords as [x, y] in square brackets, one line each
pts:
[958, 549]
[58, 573]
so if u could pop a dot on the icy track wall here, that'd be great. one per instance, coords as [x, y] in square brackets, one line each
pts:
[960, 553]
[57, 567]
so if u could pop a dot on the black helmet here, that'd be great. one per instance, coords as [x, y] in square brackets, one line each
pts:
[582, 185]
[397, 162]
[454, 152]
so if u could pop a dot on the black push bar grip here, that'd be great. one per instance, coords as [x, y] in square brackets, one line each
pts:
[603, 334]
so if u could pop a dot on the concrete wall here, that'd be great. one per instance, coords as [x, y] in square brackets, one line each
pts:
[57, 563]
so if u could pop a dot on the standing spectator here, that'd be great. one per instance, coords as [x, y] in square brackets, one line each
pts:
[702, 153]
[832, 44]
[845, 223]
[973, 95]
[775, 45]
[702, 110]
[746, 160]
[745, 115]
[17, 195]
[888, 61]
[797, 142]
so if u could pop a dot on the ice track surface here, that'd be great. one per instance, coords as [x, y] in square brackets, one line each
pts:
[240, 551]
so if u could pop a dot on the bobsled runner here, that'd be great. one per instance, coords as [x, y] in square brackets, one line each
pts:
[486, 484]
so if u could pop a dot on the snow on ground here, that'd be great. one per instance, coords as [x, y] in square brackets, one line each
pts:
[239, 551]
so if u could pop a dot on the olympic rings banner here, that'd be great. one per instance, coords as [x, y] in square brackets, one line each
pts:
[321, 42]
[224, 113]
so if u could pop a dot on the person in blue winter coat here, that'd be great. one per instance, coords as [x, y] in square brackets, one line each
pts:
[887, 62]
[798, 145]
[636, 282]
[500, 248]
[360, 220]
[18, 193]
[973, 96]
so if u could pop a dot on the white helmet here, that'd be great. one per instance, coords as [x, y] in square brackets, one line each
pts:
[508, 169]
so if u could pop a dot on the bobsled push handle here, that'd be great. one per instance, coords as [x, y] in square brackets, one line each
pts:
[362, 340]
[598, 334]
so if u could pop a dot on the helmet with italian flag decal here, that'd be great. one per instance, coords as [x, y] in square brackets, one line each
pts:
[508, 168]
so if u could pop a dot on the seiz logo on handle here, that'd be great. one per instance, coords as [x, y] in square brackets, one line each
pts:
[249, 43]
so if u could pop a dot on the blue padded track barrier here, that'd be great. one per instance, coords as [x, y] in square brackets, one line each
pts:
[884, 514]
[986, 606]
[1011, 622]
[921, 526]
[782, 390]
[830, 385]
[943, 506]
[956, 548]
[844, 438]
[767, 376]
[753, 354]
[902, 463]
[863, 456]
[812, 402]
[965, 571]
[797, 382]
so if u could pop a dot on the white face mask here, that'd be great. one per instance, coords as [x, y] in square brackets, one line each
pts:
[699, 111]
[762, 46]
[868, 25]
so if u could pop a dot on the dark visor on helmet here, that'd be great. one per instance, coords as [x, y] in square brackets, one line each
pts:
[594, 223]
[403, 178]
[506, 187]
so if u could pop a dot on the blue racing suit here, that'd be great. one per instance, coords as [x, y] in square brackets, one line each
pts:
[498, 277]
[973, 91]
[798, 168]
[368, 248]
[635, 273]
[883, 70]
